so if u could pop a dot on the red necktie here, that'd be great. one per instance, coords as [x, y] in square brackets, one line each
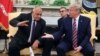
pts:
[74, 36]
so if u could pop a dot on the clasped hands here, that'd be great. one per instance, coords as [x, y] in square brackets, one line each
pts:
[77, 49]
[23, 23]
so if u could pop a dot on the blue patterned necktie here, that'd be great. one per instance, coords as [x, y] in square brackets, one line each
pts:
[32, 32]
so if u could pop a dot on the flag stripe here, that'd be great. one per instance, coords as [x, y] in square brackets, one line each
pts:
[6, 6]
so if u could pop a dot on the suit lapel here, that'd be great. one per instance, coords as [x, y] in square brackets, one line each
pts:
[69, 25]
[80, 24]
[30, 21]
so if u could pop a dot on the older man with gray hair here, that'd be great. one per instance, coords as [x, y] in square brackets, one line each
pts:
[30, 29]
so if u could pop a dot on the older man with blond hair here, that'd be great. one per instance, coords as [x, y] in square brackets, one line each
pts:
[77, 30]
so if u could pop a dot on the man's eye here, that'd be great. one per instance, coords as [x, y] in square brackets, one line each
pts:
[39, 14]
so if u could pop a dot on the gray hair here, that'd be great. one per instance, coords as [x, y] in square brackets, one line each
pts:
[37, 8]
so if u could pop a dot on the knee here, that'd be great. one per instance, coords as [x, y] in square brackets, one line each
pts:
[59, 49]
[49, 40]
[92, 50]
[12, 47]
[89, 51]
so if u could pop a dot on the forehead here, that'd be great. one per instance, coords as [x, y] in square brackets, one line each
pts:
[73, 7]
[37, 11]
[62, 9]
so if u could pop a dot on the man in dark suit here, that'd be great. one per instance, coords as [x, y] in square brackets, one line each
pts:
[30, 29]
[64, 13]
[78, 32]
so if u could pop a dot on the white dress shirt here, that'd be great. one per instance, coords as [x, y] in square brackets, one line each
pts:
[30, 36]
[77, 20]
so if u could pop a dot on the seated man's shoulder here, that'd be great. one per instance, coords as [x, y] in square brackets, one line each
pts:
[67, 18]
[85, 18]
[42, 20]
[25, 14]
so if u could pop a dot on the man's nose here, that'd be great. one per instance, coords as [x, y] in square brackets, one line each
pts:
[39, 16]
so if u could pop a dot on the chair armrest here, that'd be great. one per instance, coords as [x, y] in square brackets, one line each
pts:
[94, 38]
[9, 35]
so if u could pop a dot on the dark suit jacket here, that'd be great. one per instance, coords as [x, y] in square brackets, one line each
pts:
[60, 22]
[84, 30]
[24, 32]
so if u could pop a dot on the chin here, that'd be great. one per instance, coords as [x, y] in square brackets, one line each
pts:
[70, 16]
[37, 19]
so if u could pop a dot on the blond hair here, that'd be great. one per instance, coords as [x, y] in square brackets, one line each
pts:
[76, 6]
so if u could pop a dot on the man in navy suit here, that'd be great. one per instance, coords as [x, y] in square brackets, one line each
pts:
[81, 35]
[30, 29]
[64, 13]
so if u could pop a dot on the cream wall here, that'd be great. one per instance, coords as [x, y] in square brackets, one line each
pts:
[44, 1]
[98, 3]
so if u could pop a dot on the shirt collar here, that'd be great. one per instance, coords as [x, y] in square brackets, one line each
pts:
[77, 18]
[32, 18]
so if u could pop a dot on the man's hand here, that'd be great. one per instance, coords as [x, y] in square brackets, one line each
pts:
[23, 23]
[35, 44]
[48, 36]
[78, 49]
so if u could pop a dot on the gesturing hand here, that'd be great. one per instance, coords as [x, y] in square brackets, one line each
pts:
[48, 36]
[23, 23]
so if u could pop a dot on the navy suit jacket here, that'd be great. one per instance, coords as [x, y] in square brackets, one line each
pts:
[24, 32]
[84, 31]
[60, 22]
